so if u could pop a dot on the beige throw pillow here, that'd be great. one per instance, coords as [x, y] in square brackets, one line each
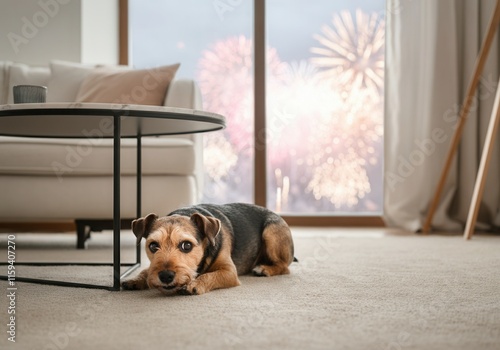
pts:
[65, 80]
[138, 86]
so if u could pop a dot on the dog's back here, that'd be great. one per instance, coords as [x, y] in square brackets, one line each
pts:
[245, 223]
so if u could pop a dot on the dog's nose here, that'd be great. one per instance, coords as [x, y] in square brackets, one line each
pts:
[166, 276]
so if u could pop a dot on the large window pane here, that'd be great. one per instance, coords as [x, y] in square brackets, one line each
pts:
[213, 42]
[324, 95]
[325, 106]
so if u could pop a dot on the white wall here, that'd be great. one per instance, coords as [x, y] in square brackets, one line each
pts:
[100, 36]
[37, 31]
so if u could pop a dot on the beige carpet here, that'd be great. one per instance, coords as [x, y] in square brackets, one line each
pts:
[352, 289]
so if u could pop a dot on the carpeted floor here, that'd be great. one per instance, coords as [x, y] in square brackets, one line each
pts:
[352, 289]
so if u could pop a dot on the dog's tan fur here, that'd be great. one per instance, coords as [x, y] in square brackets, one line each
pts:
[169, 233]
[275, 238]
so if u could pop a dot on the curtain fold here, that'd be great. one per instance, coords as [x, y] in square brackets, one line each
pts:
[431, 50]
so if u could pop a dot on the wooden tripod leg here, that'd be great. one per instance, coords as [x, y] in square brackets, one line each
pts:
[482, 173]
[464, 113]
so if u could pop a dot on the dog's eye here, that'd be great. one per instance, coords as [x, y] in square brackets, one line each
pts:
[153, 247]
[186, 246]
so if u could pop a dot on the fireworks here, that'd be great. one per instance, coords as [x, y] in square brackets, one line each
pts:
[330, 133]
[352, 52]
[352, 60]
[301, 91]
[343, 180]
[218, 157]
[225, 76]
[353, 124]
[324, 115]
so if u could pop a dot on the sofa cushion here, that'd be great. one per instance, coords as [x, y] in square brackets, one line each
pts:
[77, 157]
[22, 74]
[137, 86]
[65, 80]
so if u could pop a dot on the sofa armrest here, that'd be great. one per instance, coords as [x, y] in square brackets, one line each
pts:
[184, 93]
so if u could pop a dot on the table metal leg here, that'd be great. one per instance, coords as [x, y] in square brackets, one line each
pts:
[139, 190]
[138, 208]
[116, 201]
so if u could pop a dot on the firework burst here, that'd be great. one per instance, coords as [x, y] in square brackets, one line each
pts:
[343, 180]
[218, 157]
[343, 144]
[353, 125]
[300, 98]
[225, 76]
[352, 52]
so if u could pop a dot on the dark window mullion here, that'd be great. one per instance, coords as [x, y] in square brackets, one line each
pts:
[260, 137]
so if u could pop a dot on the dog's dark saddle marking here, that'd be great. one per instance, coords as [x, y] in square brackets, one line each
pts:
[243, 222]
[210, 255]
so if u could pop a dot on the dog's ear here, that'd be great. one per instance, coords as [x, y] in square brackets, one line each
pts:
[142, 226]
[209, 226]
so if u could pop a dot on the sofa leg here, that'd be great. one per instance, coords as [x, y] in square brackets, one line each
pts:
[82, 234]
[84, 227]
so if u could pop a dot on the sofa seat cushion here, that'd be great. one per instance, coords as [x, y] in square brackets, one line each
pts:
[90, 157]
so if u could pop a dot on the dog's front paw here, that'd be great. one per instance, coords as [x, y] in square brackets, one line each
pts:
[192, 288]
[137, 283]
[130, 285]
[184, 291]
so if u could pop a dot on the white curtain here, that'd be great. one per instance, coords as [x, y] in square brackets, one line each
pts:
[431, 49]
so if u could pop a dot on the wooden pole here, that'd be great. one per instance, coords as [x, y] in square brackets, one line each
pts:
[483, 167]
[464, 113]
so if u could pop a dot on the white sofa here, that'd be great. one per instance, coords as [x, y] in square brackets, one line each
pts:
[32, 191]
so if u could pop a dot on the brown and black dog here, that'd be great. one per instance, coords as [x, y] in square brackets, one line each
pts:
[196, 249]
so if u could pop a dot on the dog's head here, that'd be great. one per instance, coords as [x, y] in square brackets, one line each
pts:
[178, 247]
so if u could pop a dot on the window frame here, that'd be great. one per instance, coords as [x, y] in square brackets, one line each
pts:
[260, 163]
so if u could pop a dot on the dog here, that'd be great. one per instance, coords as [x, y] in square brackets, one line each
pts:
[197, 249]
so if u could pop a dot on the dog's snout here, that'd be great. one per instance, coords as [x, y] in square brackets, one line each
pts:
[166, 276]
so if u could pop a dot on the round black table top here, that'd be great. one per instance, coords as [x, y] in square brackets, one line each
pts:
[95, 120]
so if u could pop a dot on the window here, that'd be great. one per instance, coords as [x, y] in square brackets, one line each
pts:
[325, 106]
[324, 95]
[215, 49]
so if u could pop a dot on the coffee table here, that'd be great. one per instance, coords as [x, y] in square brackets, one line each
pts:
[102, 120]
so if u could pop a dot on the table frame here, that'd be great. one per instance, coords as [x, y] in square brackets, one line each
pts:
[117, 276]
